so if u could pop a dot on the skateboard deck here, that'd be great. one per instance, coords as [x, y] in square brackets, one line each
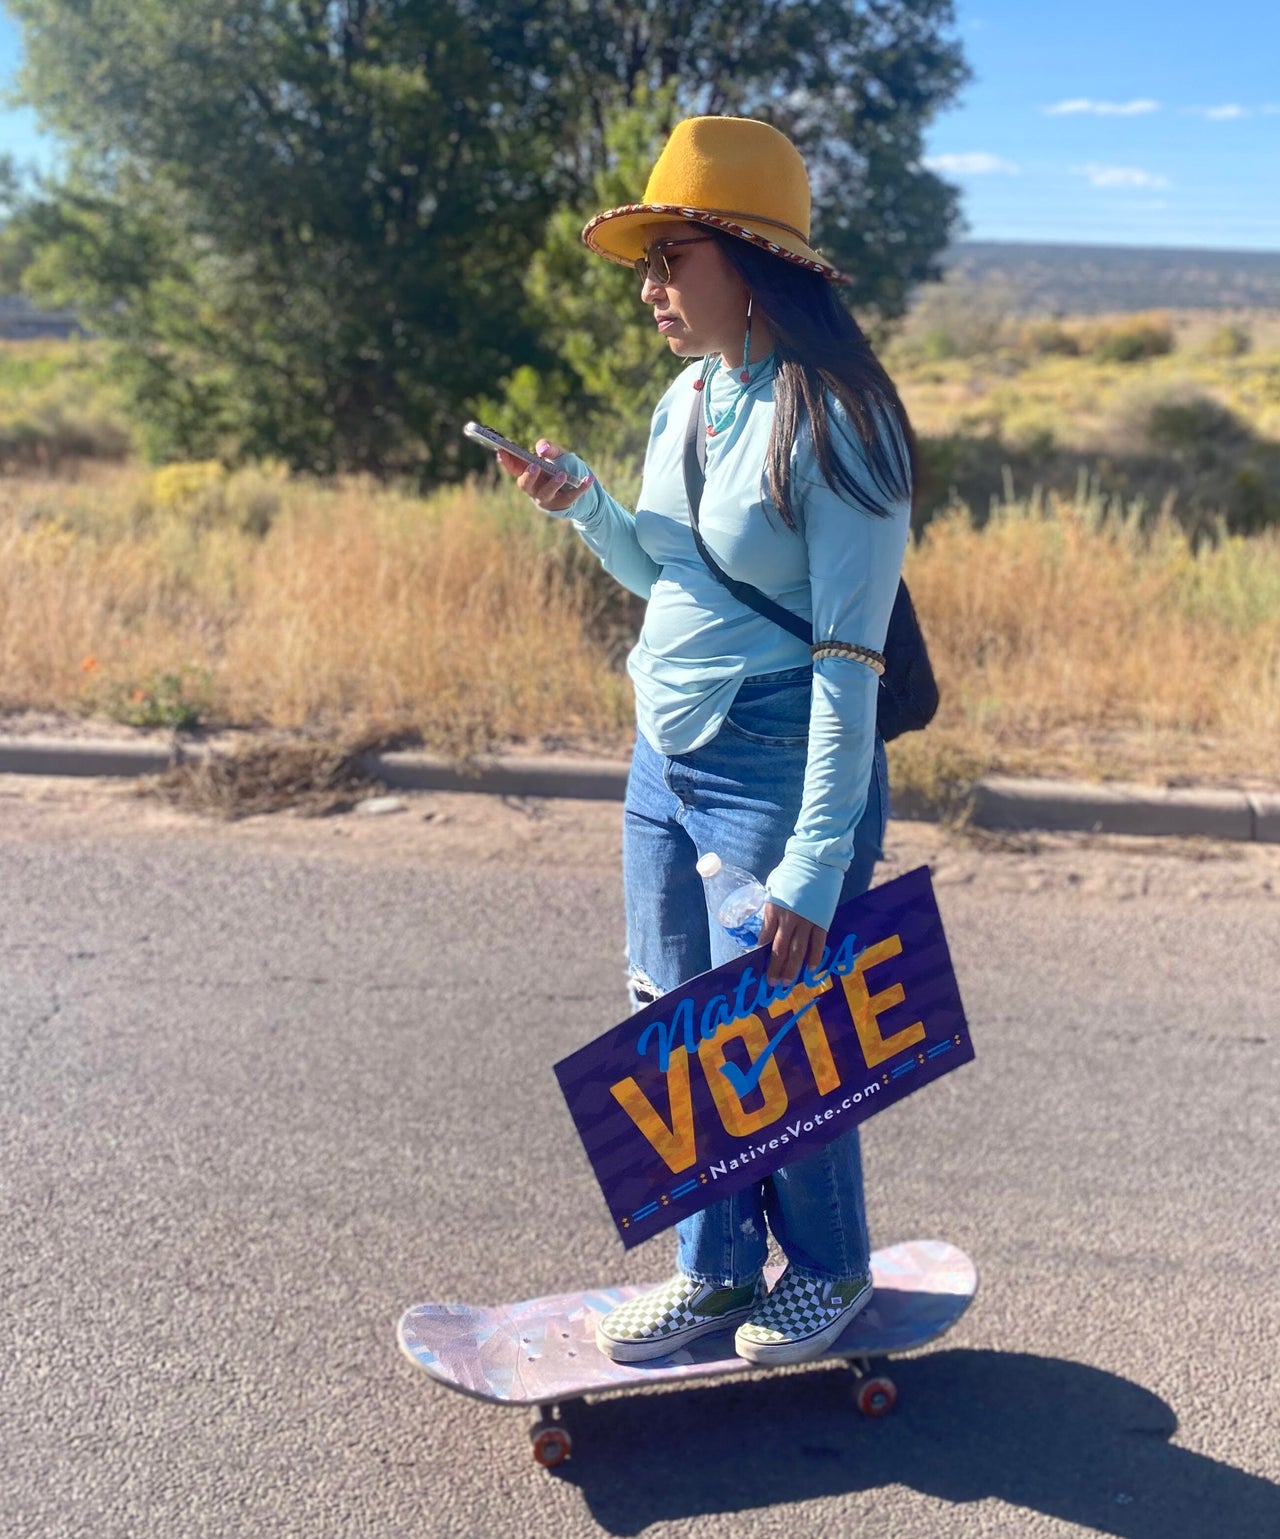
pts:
[543, 1351]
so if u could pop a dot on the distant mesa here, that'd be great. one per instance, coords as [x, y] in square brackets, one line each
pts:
[1092, 280]
[1041, 279]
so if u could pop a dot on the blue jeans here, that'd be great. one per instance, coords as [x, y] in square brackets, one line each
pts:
[740, 796]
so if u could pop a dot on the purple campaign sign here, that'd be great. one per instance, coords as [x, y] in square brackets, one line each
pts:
[716, 1084]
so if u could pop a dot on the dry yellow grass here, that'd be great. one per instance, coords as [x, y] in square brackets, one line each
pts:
[1066, 640]
[459, 619]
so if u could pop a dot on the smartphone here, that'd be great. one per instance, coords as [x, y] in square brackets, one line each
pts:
[488, 439]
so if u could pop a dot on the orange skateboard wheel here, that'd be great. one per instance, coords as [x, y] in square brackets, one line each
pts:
[876, 1397]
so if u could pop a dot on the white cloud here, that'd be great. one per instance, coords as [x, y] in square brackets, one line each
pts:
[1227, 113]
[975, 163]
[1084, 104]
[1120, 176]
[1272, 107]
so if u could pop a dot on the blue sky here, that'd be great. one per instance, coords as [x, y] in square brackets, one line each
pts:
[1126, 122]
[19, 135]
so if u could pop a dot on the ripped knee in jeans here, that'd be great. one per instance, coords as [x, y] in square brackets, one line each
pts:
[642, 989]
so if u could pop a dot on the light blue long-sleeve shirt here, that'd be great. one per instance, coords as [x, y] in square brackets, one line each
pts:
[839, 569]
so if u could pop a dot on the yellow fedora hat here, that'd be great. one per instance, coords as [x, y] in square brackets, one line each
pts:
[733, 174]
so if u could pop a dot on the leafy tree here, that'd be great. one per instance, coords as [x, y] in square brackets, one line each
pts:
[309, 223]
[304, 220]
[15, 254]
[852, 84]
[600, 361]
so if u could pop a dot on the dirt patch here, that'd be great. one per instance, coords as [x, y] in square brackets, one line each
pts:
[310, 779]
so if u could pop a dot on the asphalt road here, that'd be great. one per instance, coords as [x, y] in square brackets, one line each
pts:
[265, 1087]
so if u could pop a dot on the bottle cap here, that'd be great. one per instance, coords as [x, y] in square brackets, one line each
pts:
[709, 865]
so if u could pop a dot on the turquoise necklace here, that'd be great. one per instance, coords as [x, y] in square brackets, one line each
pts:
[717, 424]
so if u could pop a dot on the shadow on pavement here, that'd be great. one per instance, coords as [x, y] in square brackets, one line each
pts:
[1040, 1433]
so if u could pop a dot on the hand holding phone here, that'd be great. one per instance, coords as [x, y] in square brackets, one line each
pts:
[488, 439]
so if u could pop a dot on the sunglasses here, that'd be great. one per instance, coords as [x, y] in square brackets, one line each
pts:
[653, 264]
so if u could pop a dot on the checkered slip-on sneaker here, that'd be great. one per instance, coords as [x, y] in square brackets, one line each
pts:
[669, 1317]
[801, 1318]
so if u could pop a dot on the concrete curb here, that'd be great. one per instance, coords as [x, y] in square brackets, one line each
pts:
[999, 802]
[84, 757]
[597, 780]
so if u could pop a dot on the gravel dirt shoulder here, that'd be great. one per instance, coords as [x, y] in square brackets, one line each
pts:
[459, 828]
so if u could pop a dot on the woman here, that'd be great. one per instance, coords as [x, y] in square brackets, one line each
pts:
[749, 742]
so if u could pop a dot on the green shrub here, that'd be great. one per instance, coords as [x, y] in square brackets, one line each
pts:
[1033, 430]
[1254, 503]
[57, 407]
[203, 494]
[177, 698]
[937, 345]
[1192, 422]
[1132, 339]
[1229, 341]
[1049, 337]
[51, 434]
[959, 318]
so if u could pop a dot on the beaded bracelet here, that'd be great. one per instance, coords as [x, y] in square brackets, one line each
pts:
[849, 649]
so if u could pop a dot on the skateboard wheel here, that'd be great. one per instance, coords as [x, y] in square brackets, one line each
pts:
[876, 1396]
[551, 1446]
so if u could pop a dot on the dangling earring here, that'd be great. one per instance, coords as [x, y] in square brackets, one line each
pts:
[718, 424]
[745, 376]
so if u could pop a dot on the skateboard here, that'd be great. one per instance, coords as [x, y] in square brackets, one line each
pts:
[543, 1352]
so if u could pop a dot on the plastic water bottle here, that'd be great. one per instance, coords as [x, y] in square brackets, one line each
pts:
[737, 899]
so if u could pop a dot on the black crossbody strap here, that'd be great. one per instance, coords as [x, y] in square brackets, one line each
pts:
[695, 453]
[908, 694]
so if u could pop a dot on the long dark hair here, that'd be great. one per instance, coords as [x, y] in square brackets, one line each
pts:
[819, 347]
